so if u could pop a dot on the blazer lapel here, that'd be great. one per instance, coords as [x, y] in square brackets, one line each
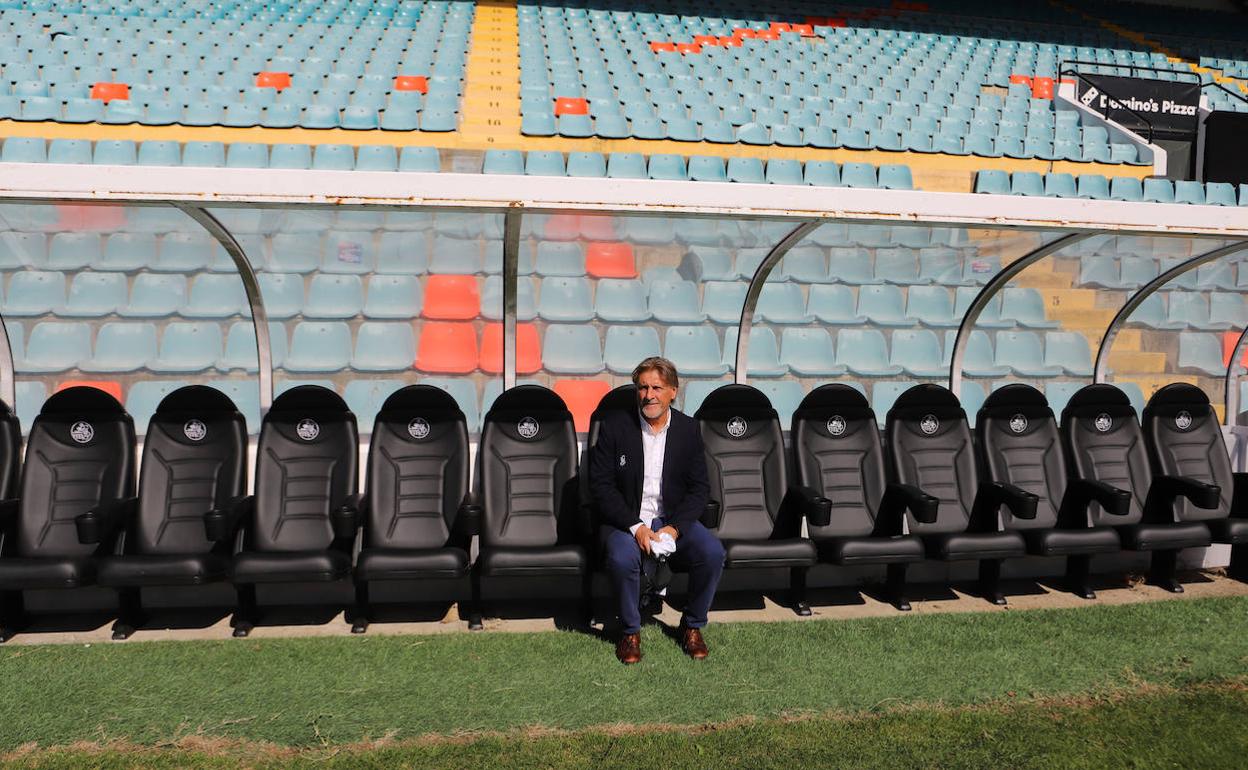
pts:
[637, 456]
[671, 449]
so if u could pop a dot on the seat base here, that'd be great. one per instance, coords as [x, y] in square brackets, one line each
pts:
[535, 561]
[19, 573]
[967, 546]
[1159, 537]
[1233, 531]
[903, 549]
[290, 566]
[411, 563]
[1071, 542]
[136, 570]
[791, 552]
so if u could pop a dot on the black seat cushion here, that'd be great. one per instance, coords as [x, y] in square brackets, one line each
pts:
[290, 566]
[19, 573]
[538, 560]
[1071, 542]
[955, 546]
[790, 552]
[1233, 531]
[871, 550]
[1154, 537]
[190, 569]
[407, 563]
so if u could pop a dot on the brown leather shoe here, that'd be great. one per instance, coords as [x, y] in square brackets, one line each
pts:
[628, 649]
[692, 643]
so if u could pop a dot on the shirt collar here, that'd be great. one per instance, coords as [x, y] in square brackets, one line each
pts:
[647, 429]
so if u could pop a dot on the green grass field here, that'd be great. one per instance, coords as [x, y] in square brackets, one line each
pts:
[1018, 688]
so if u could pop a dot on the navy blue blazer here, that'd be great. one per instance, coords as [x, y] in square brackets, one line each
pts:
[616, 471]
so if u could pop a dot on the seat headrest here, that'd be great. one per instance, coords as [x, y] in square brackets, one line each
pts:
[81, 398]
[834, 397]
[200, 399]
[425, 398]
[735, 398]
[1179, 394]
[622, 398]
[527, 398]
[927, 397]
[1097, 396]
[304, 398]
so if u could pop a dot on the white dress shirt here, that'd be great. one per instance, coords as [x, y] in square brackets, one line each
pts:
[653, 445]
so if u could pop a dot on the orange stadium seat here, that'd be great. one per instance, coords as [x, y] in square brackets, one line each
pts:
[106, 92]
[276, 80]
[582, 397]
[412, 83]
[447, 348]
[610, 260]
[451, 298]
[528, 349]
[111, 387]
[567, 105]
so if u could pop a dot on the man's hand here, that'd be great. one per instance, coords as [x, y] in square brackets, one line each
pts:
[644, 537]
[669, 530]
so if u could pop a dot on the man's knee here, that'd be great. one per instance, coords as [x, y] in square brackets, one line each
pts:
[623, 558]
[706, 549]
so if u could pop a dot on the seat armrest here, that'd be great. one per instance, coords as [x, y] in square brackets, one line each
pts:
[8, 513]
[1022, 504]
[1200, 494]
[221, 524]
[1080, 493]
[815, 507]
[101, 523]
[346, 518]
[898, 498]
[711, 514]
[468, 518]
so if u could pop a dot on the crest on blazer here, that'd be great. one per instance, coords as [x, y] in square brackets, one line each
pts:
[737, 427]
[929, 424]
[1183, 420]
[195, 430]
[1103, 422]
[418, 428]
[82, 432]
[527, 428]
[307, 429]
[623, 461]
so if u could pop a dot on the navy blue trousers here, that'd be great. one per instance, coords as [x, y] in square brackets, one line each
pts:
[698, 552]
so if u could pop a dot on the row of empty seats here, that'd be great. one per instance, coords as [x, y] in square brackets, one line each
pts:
[1119, 188]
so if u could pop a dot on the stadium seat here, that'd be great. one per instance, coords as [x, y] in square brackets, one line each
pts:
[621, 301]
[809, 353]
[1186, 191]
[675, 302]
[188, 348]
[918, 353]
[334, 296]
[764, 352]
[309, 438]
[240, 347]
[781, 303]
[1184, 440]
[122, 347]
[198, 440]
[568, 349]
[882, 305]
[1025, 307]
[931, 306]
[92, 295]
[525, 425]
[392, 296]
[626, 346]
[154, 296]
[833, 304]
[694, 350]
[744, 447]
[864, 352]
[425, 159]
[1023, 353]
[1106, 446]
[216, 296]
[1200, 353]
[56, 346]
[528, 349]
[319, 346]
[45, 551]
[838, 457]
[930, 444]
[582, 398]
[451, 297]
[447, 348]
[610, 260]
[1158, 190]
[382, 346]
[1069, 351]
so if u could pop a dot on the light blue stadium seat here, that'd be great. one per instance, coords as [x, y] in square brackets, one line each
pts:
[544, 163]
[291, 156]
[333, 157]
[885, 393]
[993, 182]
[384, 346]
[92, 295]
[1122, 188]
[1069, 351]
[1186, 191]
[155, 296]
[864, 352]
[1227, 310]
[319, 347]
[805, 264]
[1152, 313]
[20, 249]
[565, 299]
[591, 165]
[703, 168]
[464, 391]
[785, 396]
[426, 159]
[240, 347]
[627, 345]
[893, 176]
[1219, 194]
[1060, 186]
[1137, 271]
[940, 265]
[333, 296]
[1025, 307]
[365, 398]
[1216, 275]
[179, 252]
[377, 158]
[295, 252]
[1058, 394]
[216, 296]
[784, 171]
[188, 348]
[851, 265]
[694, 350]
[745, 170]
[1023, 352]
[503, 162]
[115, 152]
[809, 352]
[571, 349]
[721, 302]
[73, 251]
[1028, 183]
[626, 165]
[711, 264]
[1199, 353]
[833, 304]
[763, 353]
[694, 392]
[1191, 310]
[206, 154]
[897, 266]
[122, 347]
[1093, 186]
[978, 360]
[918, 353]
[669, 167]
[560, 258]
[77, 151]
[621, 301]
[23, 149]
[349, 251]
[144, 397]
[883, 305]
[859, 175]
[35, 293]
[247, 155]
[931, 306]
[393, 296]
[1159, 190]
[282, 294]
[822, 173]
[675, 302]
[782, 303]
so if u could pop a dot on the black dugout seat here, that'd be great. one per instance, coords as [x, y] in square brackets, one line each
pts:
[1185, 440]
[1104, 442]
[194, 461]
[79, 457]
[417, 518]
[1019, 443]
[526, 487]
[930, 446]
[751, 509]
[838, 456]
[10, 452]
[301, 523]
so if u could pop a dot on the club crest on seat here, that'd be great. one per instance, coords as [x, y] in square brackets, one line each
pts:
[929, 424]
[307, 429]
[737, 427]
[836, 425]
[418, 428]
[1183, 420]
[82, 432]
[1103, 422]
[195, 430]
[1018, 423]
[527, 428]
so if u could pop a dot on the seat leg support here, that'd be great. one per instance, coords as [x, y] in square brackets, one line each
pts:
[1238, 568]
[990, 581]
[361, 614]
[475, 612]
[1077, 576]
[1161, 573]
[12, 614]
[895, 586]
[797, 591]
[587, 598]
[246, 615]
[130, 614]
